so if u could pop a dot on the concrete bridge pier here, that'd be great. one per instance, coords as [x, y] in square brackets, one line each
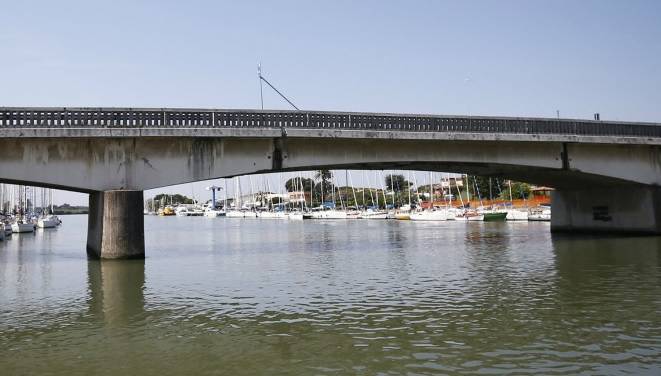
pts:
[115, 228]
[624, 209]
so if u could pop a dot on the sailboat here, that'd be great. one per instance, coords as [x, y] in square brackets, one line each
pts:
[49, 221]
[21, 224]
[540, 214]
[432, 213]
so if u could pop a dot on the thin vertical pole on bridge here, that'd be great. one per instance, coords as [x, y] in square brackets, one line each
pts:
[261, 91]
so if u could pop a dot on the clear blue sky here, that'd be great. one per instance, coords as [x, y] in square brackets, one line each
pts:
[519, 58]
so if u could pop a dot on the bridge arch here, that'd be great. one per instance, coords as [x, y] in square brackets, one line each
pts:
[115, 154]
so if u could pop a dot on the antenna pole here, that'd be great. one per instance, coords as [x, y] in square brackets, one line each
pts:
[261, 94]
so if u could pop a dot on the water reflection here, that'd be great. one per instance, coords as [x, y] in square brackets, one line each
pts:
[116, 291]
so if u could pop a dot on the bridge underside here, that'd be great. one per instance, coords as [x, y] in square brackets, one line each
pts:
[133, 163]
[600, 187]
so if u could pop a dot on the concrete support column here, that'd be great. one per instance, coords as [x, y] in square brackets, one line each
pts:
[115, 228]
[618, 209]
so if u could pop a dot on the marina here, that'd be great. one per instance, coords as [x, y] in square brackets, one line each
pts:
[25, 209]
[319, 196]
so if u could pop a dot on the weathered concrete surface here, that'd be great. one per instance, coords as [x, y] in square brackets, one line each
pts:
[628, 209]
[139, 163]
[115, 227]
[102, 164]
[315, 133]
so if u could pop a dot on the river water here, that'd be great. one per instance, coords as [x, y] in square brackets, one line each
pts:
[250, 297]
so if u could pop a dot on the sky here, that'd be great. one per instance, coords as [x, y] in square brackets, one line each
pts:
[509, 58]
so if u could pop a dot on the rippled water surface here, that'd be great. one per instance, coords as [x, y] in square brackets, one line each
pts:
[247, 297]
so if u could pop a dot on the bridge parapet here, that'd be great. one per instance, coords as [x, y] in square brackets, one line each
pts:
[19, 117]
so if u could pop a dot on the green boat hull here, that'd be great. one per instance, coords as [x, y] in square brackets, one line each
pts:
[495, 217]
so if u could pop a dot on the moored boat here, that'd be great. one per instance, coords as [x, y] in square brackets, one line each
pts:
[469, 215]
[48, 222]
[213, 213]
[404, 216]
[373, 214]
[21, 227]
[272, 215]
[517, 215]
[495, 216]
[329, 214]
[430, 215]
[540, 215]
[166, 212]
[296, 216]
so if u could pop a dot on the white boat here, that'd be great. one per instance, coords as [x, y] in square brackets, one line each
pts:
[516, 215]
[48, 222]
[373, 214]
[240, 214]
[329, 214]
[353, 214]
[430, 215]
[196, 211]
[295, 216]
[20, 227]
[234, 214]
[540, 215]
[181, 211]
[213, 213]
[470, 215]
[272, 215]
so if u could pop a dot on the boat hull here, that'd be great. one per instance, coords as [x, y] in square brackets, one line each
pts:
[272, 215]
[18, 228]
[495, 217]
[470, 218]
[47, 223]
[329, 214]
[373, 216]
[517, 215]
[539, 217]
[430, 216]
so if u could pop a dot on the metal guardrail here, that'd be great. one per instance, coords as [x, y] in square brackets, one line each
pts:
[199, 118]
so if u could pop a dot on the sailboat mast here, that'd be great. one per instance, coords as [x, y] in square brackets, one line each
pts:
[322, 189]
[392, 190]
[431, 190]
[408, 183]
[450, 189]
[261, 90]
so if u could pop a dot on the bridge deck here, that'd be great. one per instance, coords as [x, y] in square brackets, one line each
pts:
[123, 118]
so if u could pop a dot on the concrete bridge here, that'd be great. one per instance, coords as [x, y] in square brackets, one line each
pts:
[606, 174]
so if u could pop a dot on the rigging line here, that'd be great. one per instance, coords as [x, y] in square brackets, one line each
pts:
[276, 90]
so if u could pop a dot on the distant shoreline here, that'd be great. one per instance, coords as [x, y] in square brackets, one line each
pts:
[67, 210]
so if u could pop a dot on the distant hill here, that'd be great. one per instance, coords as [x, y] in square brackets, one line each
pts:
[65, 209]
